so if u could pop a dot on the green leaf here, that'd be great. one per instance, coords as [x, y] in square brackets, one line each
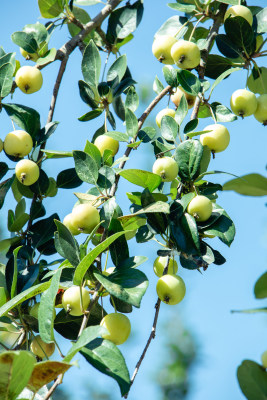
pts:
[186, 8]
[189, 82]
[181, 111]
[19, 222]
[46, 132]
[261, 18]
[68, 179]
[190, 228]
[251, 310]
[227, 48]
[231, 2]
[107, 358]
[16, 369]
[3, 169]
[91, 115]
[141, 178]
[86, 167]
[38, 31]
[191, 126]
[252, 379]
[260, 288]
[81, 15]
[223, 76]
[223, 227]
[57, 153]
[87, 261]
[91, 64]
[240, 32]
[6, 79]
[131, 123]
[49, 57]
[13, 290]
[170, 75]
[25, 295]
[222, 113]
[4, 188]
[67, 244]
[157, 85]
[25, 40]
[121, 137]
[87, 336]
[25, 117]
[89, 94]
[132, 99]
[173, 27]
[147, 134]
[45, 372]
[93, 152]
[117, 70]
[50, 8]
[43, 230]
[248, 185]
[169, 128]
[133, 262]
[188, 156]
[216, 65]
[106, 177]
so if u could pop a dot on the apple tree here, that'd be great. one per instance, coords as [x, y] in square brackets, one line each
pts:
[202, 44]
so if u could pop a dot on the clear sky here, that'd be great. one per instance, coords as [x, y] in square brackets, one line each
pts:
[224, 339]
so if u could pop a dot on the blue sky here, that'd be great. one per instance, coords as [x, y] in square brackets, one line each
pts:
[224, 339]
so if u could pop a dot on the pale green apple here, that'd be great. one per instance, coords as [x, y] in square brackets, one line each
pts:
[200, 208]
[217, 139]
[85, 218]
[166, 111]
[243, 103]
[27, 172]
[239, 11]
[18, 143]
[104, 142]
[264, 359]
[29, 79]
[261, 111]
[71, 300]
[159, 265]
[118, 327]
[28, 56]
[67, 221]
[40, 348]
[177, 95]
[161, 48]
[185, 54]
[171, 289]
[167, 168]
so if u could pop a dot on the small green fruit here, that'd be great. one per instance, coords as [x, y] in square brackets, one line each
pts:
[40, 348]
[104, 142]
[166, 111]
[27, 172]
[167, 168]
[264, 359]
[161, 48]
[200, 208]
[185, 54]
[171, 289]
[28, 56]
[71, 300]
[18, 143]
[67, 221]
[261, 111]
[243, 103]
[159, 265]
[118, 327]
[1, 145]
[217, 139]
[239, 11]
[85, 218]
[29, 79]
[177, 95]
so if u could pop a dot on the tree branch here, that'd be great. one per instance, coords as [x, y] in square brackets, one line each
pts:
[57, 382]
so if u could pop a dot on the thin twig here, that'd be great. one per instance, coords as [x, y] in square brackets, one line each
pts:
[21, 340]
[152, 333]
[57, 382]
[141, 121]
[86, 316]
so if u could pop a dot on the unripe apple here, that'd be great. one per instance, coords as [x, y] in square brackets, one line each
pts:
[29, 79]
[104, 142]
[261, 111]
[18, 143]
[118, 326]
[35, 309]
[239, 11]
[166, 111]
[167, 168]
[200, 208]
[161, 48]
[67, 221]
[27, 172]
[185, 54]
[259, 42]
[159, 265]
[177, 95]
[71, 300]
[217, 140]
[40, 348]
[171, 289]
[28, 56]
[243, 103]
[264, 359]
[1, 145]
[85, 218]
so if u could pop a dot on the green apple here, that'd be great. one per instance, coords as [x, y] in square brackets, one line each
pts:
[171, 289]
[161, 48]
[200, 208]
[28, 56]
[177, 95]
[166, 111]
[27, 172]
[118, 327]
[1, 145]
[261, 111]
[185, 54]
[67, 221]
[243, 103]
[258, 85]
[35, 309]
[159, 265]
[40, 348]
[217, 139]
[71, 300]
[29, 79]
[85, 218]
[264, 359]
[167, 168]
[104, 142]
[259, 42]
[18, 143]
[239, 11]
